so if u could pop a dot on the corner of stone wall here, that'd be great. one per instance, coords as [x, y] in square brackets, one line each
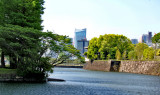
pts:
[98, 65]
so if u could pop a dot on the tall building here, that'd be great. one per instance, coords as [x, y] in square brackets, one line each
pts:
[149, 37]
[145, 38]
[80, 34]
[134, 41]
[80, 41]
[81, 44]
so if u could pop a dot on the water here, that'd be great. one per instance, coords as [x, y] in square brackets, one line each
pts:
[84, 82]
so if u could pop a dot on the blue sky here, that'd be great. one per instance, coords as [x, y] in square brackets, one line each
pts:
[131, 18]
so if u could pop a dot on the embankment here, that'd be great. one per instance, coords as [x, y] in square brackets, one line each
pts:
[139, 67]
[98, 65]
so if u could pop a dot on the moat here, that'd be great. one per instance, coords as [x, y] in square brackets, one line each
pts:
[84, 82]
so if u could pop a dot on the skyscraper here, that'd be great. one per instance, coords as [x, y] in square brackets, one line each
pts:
[149, 37]
[145, 38]
[80, 41]
[134, 41]
[80, 34]
[81, 44]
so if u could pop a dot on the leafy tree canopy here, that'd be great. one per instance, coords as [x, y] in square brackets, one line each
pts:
[105, 46]
[148, 53]
[139, 50]
[30, 50]
[25, 13]
[156, 38]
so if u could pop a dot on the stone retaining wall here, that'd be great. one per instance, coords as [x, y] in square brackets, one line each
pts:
[97, 65]
[140, 67]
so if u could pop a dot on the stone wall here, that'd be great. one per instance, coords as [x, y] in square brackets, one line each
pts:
[97, 65]
[140, 67]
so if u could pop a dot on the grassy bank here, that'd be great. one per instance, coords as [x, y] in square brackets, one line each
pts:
[7, 71]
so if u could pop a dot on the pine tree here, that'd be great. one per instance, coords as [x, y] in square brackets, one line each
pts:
[25, 13]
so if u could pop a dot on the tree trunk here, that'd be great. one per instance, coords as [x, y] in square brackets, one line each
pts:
[155, 50]
[2, 60]
[13, 61]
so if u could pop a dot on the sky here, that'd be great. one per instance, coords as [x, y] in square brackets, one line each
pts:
[131, 18]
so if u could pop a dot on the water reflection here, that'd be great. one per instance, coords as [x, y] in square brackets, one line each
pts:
[83, 82]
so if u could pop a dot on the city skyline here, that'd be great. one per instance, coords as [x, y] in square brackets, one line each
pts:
[130, 18]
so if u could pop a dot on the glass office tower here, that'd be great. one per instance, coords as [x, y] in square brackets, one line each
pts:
[80, 34]
[81, 44]
[134, 41]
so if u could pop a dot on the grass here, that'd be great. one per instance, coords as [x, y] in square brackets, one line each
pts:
[7, 71]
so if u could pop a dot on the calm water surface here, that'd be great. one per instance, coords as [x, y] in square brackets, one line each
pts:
[83, 82]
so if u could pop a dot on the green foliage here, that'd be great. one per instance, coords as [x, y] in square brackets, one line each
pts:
[124, 55]
[85, 53]
[26, 48]
[25, 13]
[156, 38]
[1, 12]
[108, 56]
[22, 46]
[139, 50]
[158, 52]
[24, 43]
[79, 61]
[92, 52]
[7, 71]
[105, 46]
[118, 55]
[132, 55]
[148, 53]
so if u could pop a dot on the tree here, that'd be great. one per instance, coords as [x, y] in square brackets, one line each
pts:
[24, 43]
[124, 55]
[132, 55]
[156, 41]
[28, 46]
[118, 55]
[148, 53]
[25, 13]
[158, 52]
[156, 38]
[17, 41]
[105, 46]
[1, 12]
[92, 52]
[139, 50]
